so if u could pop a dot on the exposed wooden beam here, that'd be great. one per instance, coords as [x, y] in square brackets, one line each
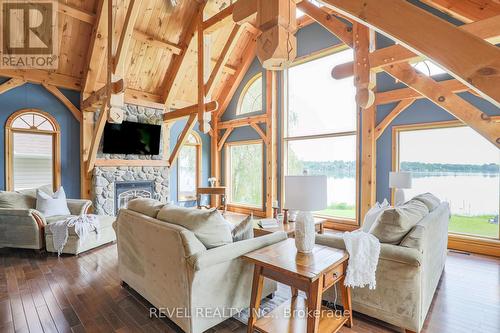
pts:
[96, 138]
[201, 72]
[40, 76]
[156, 42]
[187, 111]
[397, 95]
[467, 10]
[468, 58]
[228, 90]
[446, 99]
[260, 132]
[403, 105]
[11, 84]
[488, 29]
[214, 22]
[241, 122]
[142, 98]
[77, 13]
[126, 37]
[328, 21]
[224, 137]
[170, 84]
[216, 74]
[182, 139]
[63, 99]
[97, 99]
[97, 50]
[272, 141]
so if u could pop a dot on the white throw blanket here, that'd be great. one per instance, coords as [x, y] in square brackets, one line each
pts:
[364, 250]
[84, 224]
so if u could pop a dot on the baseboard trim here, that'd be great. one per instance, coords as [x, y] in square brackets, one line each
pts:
[490, 247]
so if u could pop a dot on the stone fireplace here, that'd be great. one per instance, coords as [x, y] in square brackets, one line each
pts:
[113, 187]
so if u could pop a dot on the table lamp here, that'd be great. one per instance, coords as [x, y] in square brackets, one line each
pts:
[305, 194]
[398, 181]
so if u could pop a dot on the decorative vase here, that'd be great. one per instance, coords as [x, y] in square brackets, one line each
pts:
[305, 233]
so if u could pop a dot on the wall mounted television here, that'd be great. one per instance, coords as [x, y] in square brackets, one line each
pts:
[131, 138]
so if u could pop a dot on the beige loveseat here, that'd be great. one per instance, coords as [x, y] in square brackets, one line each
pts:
[168, 265]
[407, 273]
[22, 226]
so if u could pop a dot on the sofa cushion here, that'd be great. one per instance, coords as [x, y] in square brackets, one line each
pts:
[15, 200]
[51, 205]
[244, 230]
[208, 225]
[149, 207]
[428, 199]
[394, 223]
[372, 214]
[31, 192]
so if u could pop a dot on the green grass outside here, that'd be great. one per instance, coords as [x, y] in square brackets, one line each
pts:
[474, 225]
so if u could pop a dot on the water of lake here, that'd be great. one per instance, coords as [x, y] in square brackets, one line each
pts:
[468, 194]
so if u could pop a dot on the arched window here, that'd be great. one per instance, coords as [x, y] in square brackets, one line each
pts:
[251, 97]
[32, 140]
[189, 168]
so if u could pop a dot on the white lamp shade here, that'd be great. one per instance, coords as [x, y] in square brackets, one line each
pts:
[305, 193]
[400, 179]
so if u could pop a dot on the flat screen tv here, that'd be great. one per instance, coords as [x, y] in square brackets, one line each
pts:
[131, 138]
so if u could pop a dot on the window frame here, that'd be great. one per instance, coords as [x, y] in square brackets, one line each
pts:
[334, 222]
[244, 92]
[239, 207]
[457, 237]
[9, 149]
[199, 149]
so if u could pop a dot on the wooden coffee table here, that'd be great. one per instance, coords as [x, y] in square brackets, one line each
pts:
[312, 273]
[289, 228]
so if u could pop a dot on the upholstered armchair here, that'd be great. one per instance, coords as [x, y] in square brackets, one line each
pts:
[22, 226]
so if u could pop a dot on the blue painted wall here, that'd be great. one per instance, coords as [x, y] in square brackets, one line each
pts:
[175, 131]
[36, 96]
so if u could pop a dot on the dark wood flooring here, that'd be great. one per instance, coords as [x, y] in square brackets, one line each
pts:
[40, 293]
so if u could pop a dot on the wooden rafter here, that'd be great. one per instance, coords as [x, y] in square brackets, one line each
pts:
[328, 21]
[214, 22]
[11, 84]
[467, 10]
[182, 139]
[403, 105]
[224, 137]
[201, 71]
[39, 76]
[76, 13]
[126, 36]
[188, 111]
[224, 56]
[397, 95]
[469, 59]
[446, 99]
[96, 138]
[170, 84]
[97, 50]
[63, 99]
[241, 122]
[98, 98]
[227, 92]
[488, 29]
[156, 42]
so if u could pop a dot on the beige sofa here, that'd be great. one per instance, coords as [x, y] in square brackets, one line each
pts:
[22, 226]
[407, 276]
[168, 265]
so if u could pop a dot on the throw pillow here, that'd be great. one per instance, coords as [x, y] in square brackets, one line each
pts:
[428, 199]
[52, 205]
[394, 223]
[149, 207]
[372, 215]
[15, 200]
[207, 225]
[244, 230]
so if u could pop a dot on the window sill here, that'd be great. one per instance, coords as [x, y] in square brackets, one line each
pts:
[246, 209]
[473, 244]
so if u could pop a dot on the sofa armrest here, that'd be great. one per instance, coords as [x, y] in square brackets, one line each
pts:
[24, 215]
[389, 252]
[78, 206]
[232, 251]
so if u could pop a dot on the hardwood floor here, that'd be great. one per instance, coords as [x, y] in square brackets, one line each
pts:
[40, 293]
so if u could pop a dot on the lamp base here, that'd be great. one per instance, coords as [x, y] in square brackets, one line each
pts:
[305, 232]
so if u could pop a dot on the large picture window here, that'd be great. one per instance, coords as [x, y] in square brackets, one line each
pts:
[320, 130]
[457, 165]
[32, 150]
[245, 173]
[189, 168]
